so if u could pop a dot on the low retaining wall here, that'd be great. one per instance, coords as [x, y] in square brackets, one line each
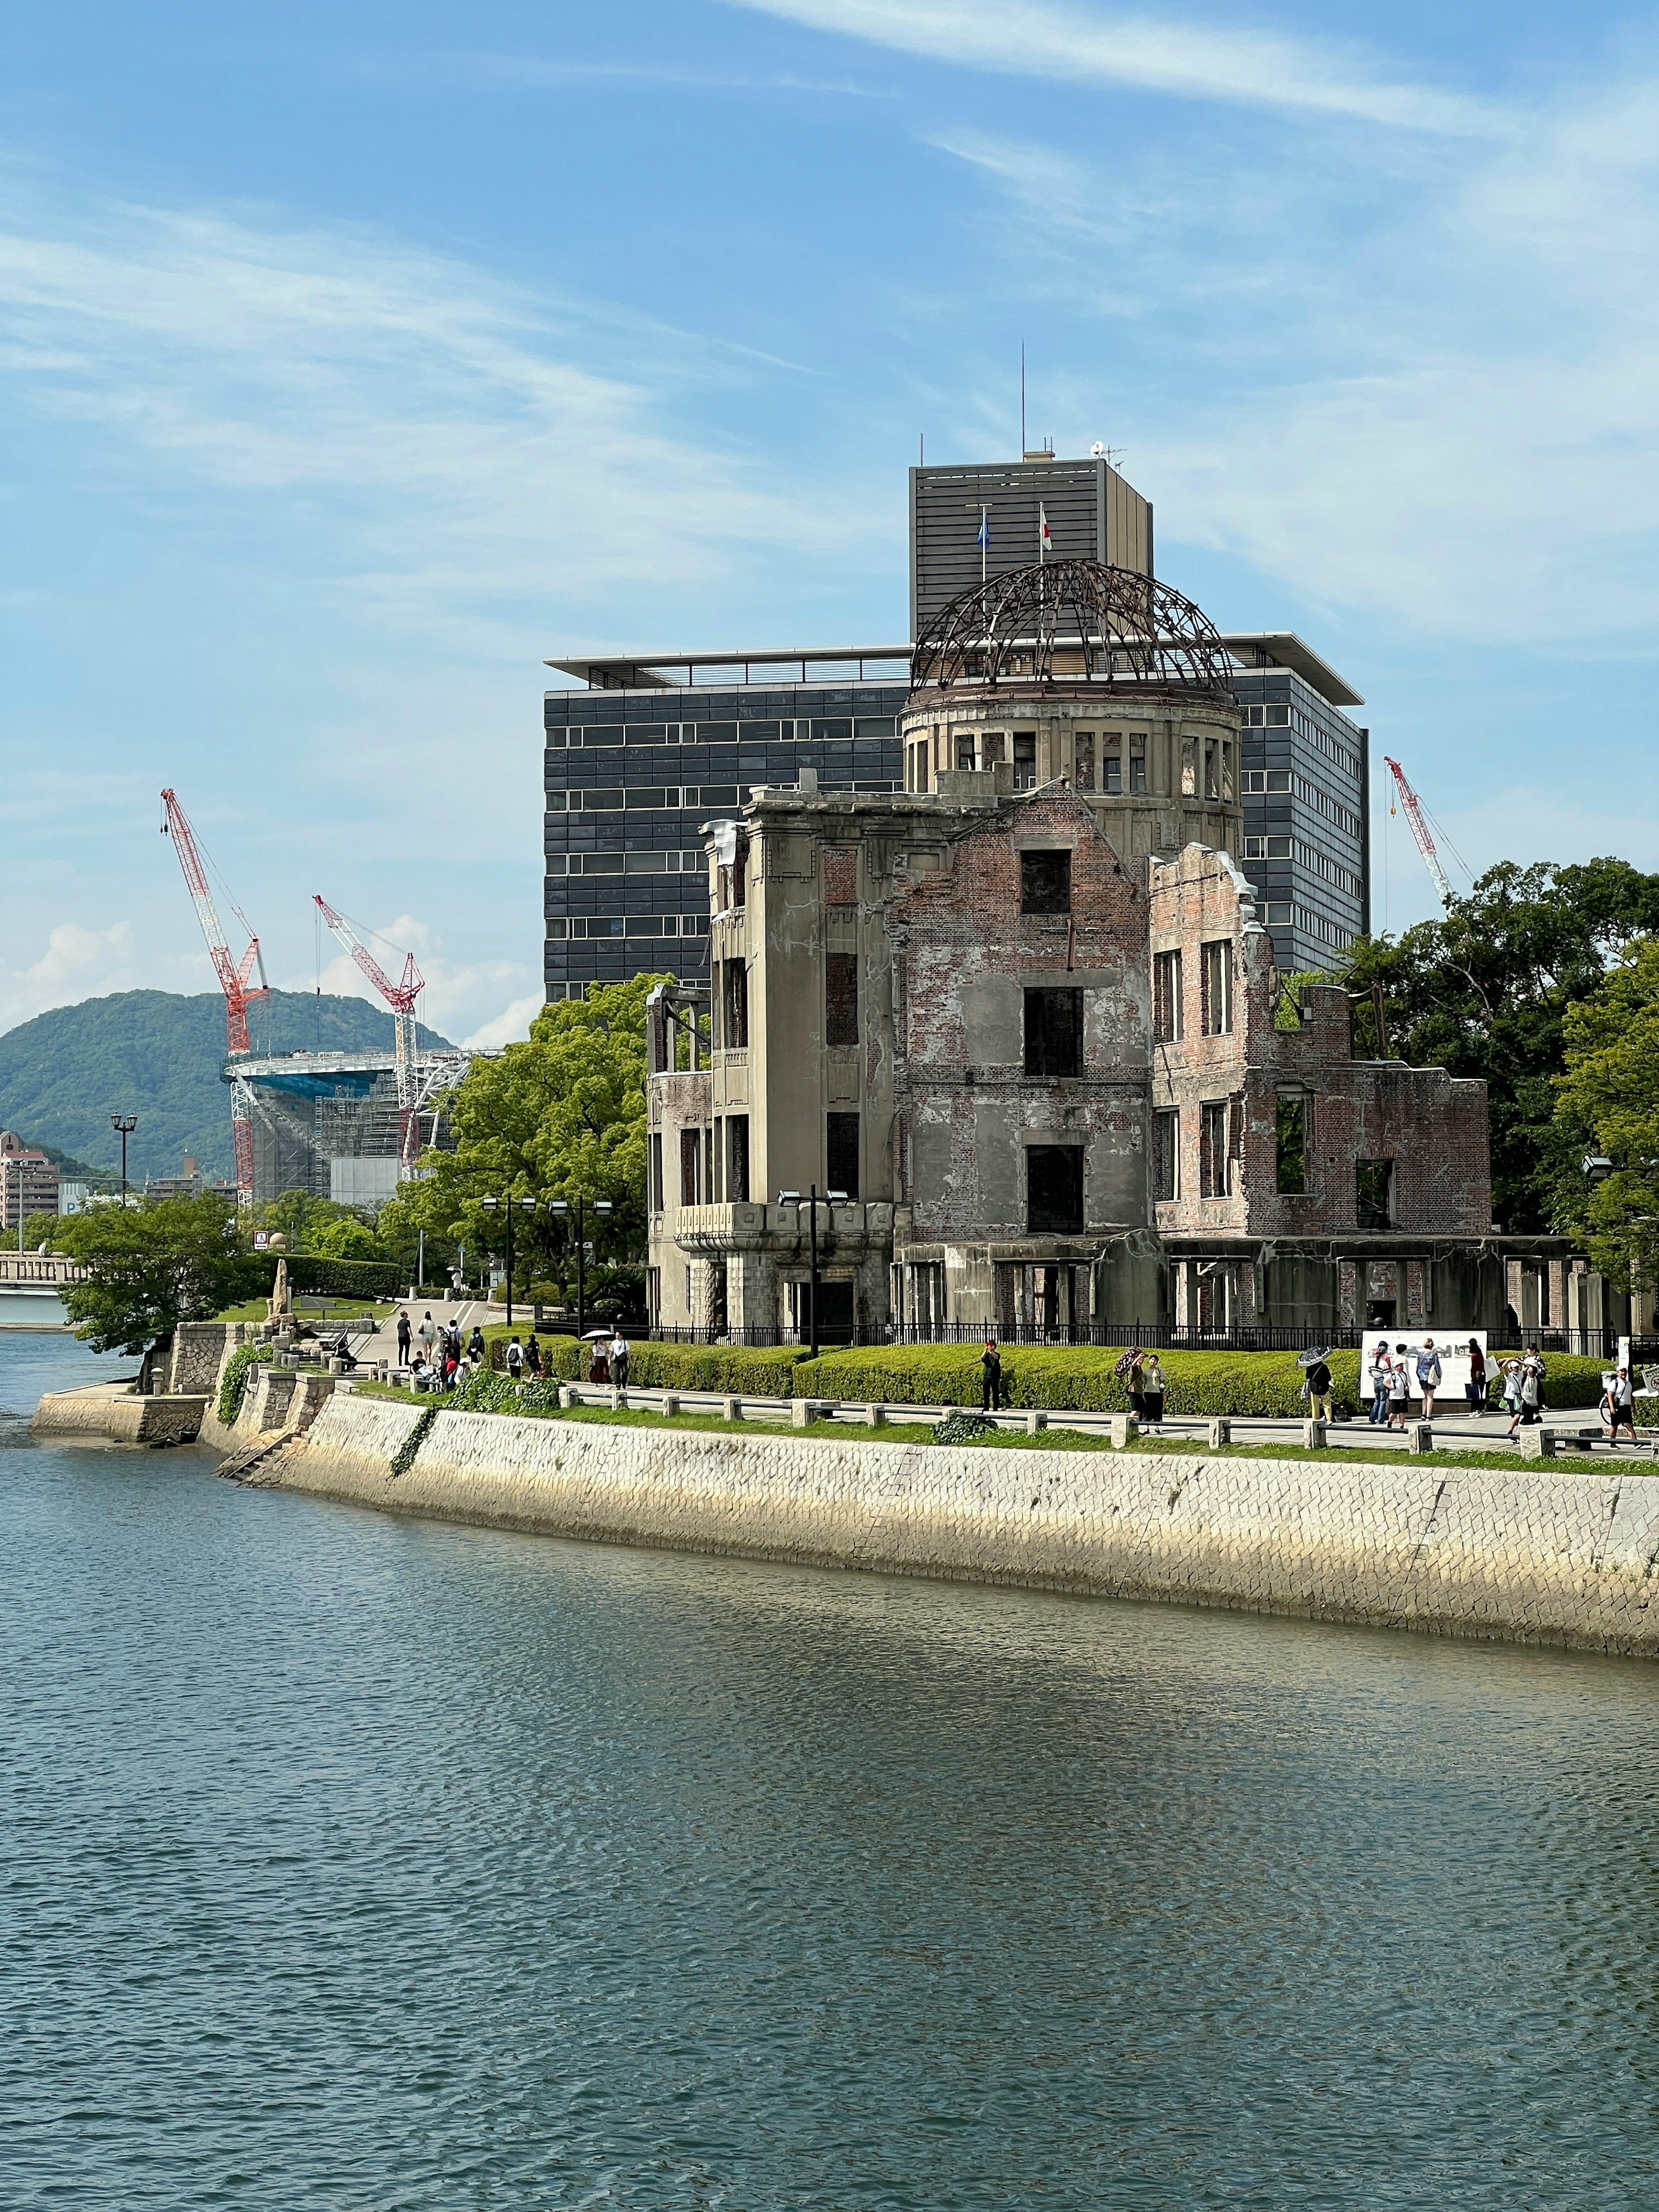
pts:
[1541, 1557]
[120, 1419]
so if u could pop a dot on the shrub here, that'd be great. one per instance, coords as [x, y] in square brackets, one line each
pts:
[1078, 1378]
[367, 1280]
[963, 1426]
[234, 1388]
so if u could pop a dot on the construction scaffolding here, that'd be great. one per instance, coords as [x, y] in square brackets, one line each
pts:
[341, 1125]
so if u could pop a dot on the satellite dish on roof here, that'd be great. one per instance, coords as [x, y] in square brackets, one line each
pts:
[1097, 450]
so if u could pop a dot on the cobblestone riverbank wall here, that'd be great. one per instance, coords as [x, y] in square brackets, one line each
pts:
[1544, 1558]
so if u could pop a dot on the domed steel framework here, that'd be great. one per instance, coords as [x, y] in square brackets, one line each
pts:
[1062, 623]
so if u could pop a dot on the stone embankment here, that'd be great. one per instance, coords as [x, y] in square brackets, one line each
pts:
[1542, 1558]
[1530, 1555]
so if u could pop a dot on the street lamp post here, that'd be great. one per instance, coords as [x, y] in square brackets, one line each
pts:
[831, 1198]
[562, 1206]
[124, 1125]
[507, 1206]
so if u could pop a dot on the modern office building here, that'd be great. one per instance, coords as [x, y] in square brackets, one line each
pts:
[652, 746]
[656, 745]
[1307, 798]
[1091, 514]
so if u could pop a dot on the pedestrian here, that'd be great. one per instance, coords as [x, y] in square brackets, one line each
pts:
[599, 1364]
[1319, 1391]
[1429, 1376]
[1475, 1388]
[404, 1335]
[1154, 1387]
[1382, 1368]
[1510, 1378]
[428, 1333]
[533, 1355]
[990, 1367]
[1619, 1405]
[1400, 1388]
[620, 1355]
[474, 1345]
[1530, 1394]
[420, 1374]
[1138, 1388]
[515, 1359]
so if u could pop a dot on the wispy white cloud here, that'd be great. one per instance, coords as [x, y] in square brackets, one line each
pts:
[1240, 65]
[78, 962]
[1439, 402]
[510, 1026]
[461, 997]
[468, 454]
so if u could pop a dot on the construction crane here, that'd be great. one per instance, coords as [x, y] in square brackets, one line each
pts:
[1413, 804]
[412, 1090]
[234, 981]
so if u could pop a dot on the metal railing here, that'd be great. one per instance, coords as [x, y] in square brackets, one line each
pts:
[1164, 1336]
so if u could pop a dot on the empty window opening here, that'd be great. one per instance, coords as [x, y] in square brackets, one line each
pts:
[656, 1172]
[736, 1159]
[690, 1155]
[1137, 763]
[1292, 1128]
[1111, 763]
[992, 749]
[735, 1004]
[1166, 1157]
[1054, 1033]
[841, 1153]
[1083, 760]
[1025, 760]
[841, 1000]
[1054, 1190]
[1045, 883]
[965, 750]
[1167, 1015]
[1374, 1193]
[1189, 768]
[1214, 1177]
[1218, 987]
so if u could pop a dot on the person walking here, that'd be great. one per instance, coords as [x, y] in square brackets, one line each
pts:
[1530, 1393]
[990, 1370]
[1475, 1388]
[474, 1345]
[1430, 1374]
[1619, 1405]
[1138, 1388]
[1381, 1368]
[1154, 1391]
[1400, 1388]
[620, 1354]
[405, 1335]
[1319, 1391]
[428, 1333]
[515, 1360]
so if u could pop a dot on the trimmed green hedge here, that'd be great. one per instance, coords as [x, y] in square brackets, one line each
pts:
[1077, 1378]
[332, 1279]
[760, 1373]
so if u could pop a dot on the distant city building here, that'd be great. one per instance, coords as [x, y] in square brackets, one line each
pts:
[28, 1182]
[187, 1183]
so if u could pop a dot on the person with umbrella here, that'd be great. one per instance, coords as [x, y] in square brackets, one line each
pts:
[1317, 1364]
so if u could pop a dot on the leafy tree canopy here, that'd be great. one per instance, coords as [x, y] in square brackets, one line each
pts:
[319, 1225]
[560, 1117]
[153, 1266]
[1610, 1106]
[1485, 991]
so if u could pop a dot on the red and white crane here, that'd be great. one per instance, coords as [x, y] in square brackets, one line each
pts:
[1413, 807]
[401, 998]
[234, 981]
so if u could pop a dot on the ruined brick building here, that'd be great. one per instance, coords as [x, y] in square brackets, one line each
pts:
[1021, 1023]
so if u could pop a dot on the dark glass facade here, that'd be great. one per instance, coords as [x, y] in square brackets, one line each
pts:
[630, 777]
[1306, 785]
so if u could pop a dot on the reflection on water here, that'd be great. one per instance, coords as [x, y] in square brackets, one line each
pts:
[362, 1863]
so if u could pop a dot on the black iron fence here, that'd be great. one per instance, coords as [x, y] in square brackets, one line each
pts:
[1161, 1336]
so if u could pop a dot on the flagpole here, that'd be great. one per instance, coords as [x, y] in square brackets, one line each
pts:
[984, 539]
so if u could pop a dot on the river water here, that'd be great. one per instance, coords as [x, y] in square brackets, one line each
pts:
[354, 1863]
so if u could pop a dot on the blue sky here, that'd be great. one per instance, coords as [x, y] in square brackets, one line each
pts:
[353, 358]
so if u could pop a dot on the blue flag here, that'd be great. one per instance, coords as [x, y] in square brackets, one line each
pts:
[983, 540]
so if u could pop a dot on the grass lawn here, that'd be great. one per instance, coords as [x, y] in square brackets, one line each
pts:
[1051, 1439]
[321, 1309]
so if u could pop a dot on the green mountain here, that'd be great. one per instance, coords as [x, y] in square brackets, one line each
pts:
[157, 1055]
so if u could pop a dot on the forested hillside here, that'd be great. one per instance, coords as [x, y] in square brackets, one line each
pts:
[158, 1054]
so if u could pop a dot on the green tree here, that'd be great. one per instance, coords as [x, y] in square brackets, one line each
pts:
[152, 1267]
[1608, 1106]
[309, 1224]
[560, 1117]
[345, 1237]
[1485, 991]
